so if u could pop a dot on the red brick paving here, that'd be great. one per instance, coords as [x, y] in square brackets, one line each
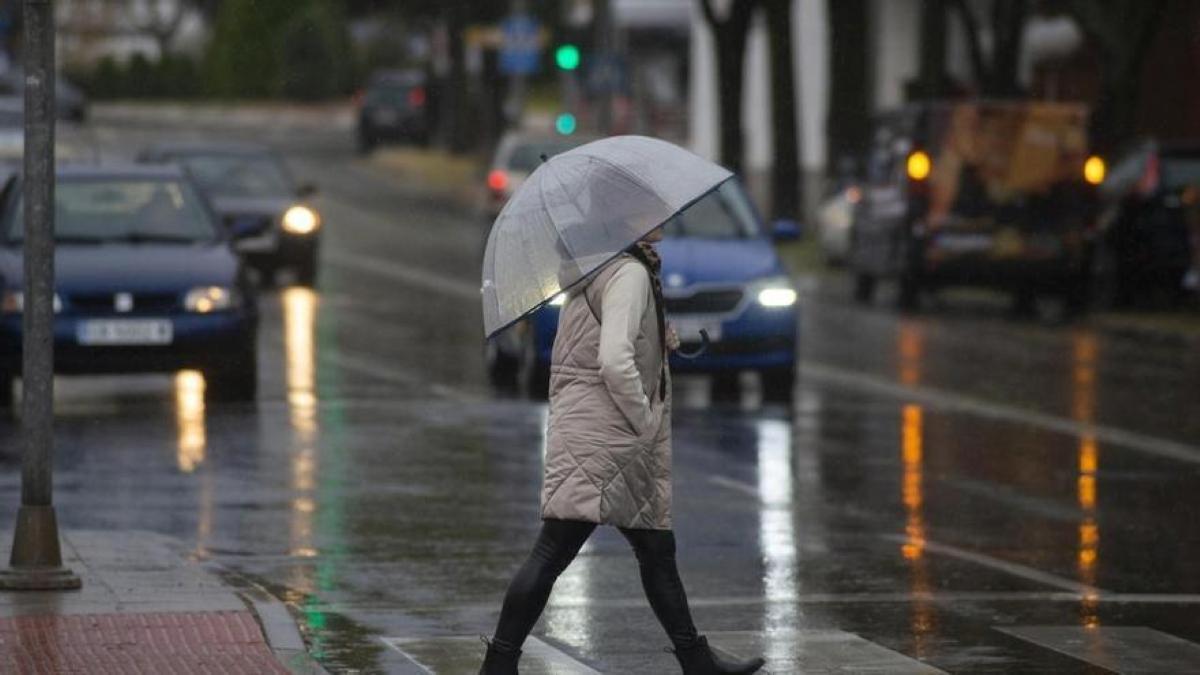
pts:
[153, 644]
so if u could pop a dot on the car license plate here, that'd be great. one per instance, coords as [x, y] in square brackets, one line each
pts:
[126, 332]
[385, 116]
[689, 329]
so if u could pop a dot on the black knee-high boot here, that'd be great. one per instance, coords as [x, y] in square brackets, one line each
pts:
[700, 659]
[500, 661]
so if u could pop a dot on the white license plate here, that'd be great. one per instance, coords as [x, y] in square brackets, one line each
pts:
[689, 329]
[126, 332]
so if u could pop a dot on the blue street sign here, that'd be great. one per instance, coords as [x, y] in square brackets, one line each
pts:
[520, 53]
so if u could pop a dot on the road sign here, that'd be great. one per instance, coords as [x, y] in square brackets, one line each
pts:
[521, 51]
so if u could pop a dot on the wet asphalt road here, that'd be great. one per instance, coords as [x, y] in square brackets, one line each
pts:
[953, 489]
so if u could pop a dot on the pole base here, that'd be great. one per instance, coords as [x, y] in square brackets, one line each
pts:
[36, 561]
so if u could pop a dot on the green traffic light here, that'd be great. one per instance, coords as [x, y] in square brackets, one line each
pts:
[565, 124]
[567, 57]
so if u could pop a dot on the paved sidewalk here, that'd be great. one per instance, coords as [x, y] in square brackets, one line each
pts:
[144, 608]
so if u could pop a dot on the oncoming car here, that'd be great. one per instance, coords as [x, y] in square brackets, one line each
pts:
[720, 274]
[260, 204]
[145, 282]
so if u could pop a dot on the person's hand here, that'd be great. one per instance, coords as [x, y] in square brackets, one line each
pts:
[672, 338]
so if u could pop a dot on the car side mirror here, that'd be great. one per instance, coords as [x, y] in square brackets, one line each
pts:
[307, 190]
[785, 229]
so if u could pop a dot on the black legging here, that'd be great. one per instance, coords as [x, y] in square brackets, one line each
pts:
[557, 545]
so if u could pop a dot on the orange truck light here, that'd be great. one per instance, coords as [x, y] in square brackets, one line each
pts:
[1094, 170]
[919, 165]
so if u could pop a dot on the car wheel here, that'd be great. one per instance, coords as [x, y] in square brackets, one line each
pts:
[502, 368]
[778, 384]
[535, 374]
[306, 271]
[864, 288]
[725, 386]
[236, 381]
[908, 299]
[6, 390]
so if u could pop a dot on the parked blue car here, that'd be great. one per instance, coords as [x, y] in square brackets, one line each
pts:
[720, 274]
[146, 281]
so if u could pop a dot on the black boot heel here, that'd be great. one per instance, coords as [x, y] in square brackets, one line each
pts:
[699, 659]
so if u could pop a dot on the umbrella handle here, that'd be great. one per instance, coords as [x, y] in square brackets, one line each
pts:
[695, 353]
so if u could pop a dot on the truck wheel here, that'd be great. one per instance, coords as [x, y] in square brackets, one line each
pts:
[535, 374]
[778, 384]
[6, 390]
[909, 297]
[864, 288]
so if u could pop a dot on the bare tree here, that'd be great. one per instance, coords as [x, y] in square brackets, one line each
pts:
[1122, 31]
[995, 71]
[787, 195]
[850, 78]
[729, 38]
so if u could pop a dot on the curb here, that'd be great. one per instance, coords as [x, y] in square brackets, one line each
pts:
[278, 626]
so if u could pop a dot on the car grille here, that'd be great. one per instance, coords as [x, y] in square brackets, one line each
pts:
[705, 302]
[105, 303]
[248, 225]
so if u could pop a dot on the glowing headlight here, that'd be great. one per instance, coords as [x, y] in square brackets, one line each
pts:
[558, 300]
[210, 299]
[777, 292]
[13, 302]
[301, 220]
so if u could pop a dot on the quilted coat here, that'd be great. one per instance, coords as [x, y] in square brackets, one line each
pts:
[601, 466]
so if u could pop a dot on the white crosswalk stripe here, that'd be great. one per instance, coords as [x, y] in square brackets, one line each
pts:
[1132, 650]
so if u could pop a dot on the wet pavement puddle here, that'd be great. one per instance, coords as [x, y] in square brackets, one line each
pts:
[818, 651]
[1121, 649]
[460, 655]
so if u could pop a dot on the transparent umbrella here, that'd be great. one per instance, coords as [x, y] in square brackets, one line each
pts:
[580, 209]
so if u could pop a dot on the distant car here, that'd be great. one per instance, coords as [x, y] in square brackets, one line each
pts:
[146, 281]
[835, 217]
[517, 155]
[268, 214]
[70, 102]
[720, 274]
[394, 106]
[984, 194]
[1152, 222]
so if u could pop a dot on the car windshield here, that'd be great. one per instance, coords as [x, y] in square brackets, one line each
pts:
[233, 175]
[1180, 172]
[123, 210]
[527, 156]
[724, 213]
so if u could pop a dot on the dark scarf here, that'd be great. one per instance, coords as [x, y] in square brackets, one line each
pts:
[645, 254]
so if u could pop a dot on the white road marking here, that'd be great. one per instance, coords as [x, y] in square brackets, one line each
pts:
[406, 274]
[1010, 568]
[819, 651]
[1132, 440]
[463, 654]
[1121, 649]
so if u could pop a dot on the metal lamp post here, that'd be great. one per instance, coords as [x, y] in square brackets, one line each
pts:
[36, 562]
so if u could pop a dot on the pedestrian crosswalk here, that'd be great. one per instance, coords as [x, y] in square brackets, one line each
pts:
[1127, 650]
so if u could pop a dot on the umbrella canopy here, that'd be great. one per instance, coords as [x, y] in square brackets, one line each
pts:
[580, 209]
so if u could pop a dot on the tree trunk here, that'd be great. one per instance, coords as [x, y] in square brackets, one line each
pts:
[931, 74]
[729, 39]
[787, 197]
[454, 88]
[849, 121]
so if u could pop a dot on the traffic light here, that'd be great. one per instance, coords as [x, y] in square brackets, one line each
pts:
[567, 57]
[565, 124]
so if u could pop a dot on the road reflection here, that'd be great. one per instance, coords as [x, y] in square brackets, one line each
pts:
[191, 441]
[299, 319]
[1083, 394]
[777, 533]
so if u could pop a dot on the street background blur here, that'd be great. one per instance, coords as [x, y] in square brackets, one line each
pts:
[946, 422]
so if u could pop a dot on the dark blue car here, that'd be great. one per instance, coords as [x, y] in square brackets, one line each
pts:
[720, 274]
[146, 281]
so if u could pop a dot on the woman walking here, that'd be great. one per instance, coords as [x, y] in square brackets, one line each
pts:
[608, 457]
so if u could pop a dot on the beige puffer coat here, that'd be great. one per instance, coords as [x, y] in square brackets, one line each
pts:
[608, 444]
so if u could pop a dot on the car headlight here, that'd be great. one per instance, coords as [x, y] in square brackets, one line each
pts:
[776, 292]
[558, 300]
[207, 299]
[13, 302]
[300, 219]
